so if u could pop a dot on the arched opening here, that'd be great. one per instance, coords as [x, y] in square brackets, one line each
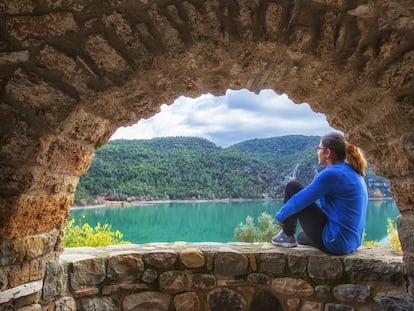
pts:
[169, 171]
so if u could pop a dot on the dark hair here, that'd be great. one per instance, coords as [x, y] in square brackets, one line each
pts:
[341, 151]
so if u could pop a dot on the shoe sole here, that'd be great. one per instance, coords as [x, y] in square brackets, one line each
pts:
[285, 244]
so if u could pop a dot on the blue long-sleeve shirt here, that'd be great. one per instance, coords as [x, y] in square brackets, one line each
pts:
[342, 195]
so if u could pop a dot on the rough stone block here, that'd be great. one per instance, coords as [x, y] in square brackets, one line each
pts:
[352, 292]
[19, 274]
[337, 307]
[14, 57]
[85, 125]
[65, 304]
[8, 254]
[16, 7]
[98, 303]
[192, 257]
[297, 264]
[187, 302]
[55, 24]
[365, 269]
[77, 5]
[32, 307]
[55, 280]
[21, 291]
[325, 268]
[210, 261]
[33, 246]
[48, 212]
[26, 272]
[291, 286]
[271, 262]
[73, 73]
[293, 303]
[160, 259]
[106, 57]
[229, 262]
[172, 281]
[149, 276]
[87, 273]
[32, 299]
[64, 155]
[402, 189]
[388, 302]
[311, 306]
[258, 278]
[199, 281]
[147, 301]
[405, 225]
[125, 267]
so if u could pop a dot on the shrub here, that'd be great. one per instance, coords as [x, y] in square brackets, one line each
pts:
[85, 235]
[393, 239]
[262, 233]
[266, 228]
[369, 243]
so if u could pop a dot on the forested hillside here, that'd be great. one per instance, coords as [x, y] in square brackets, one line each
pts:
[189, 167]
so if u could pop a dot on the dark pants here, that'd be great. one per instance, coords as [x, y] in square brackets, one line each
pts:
[311, 218]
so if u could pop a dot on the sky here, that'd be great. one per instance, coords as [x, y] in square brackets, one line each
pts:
[234, 117]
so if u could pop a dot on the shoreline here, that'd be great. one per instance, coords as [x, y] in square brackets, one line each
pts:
[143, 203]
[109, 204]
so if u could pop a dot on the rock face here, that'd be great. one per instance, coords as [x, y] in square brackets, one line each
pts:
[72, 72]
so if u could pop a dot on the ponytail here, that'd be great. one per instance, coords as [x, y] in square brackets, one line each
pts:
[341, 151]
[355, 158]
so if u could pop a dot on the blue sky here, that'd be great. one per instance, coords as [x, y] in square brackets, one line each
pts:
[234, 117]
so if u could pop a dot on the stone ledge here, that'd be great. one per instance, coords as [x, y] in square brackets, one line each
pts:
[21, 291]
[363, 253]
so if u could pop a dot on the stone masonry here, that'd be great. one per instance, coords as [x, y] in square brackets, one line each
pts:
[72, 72]
[212, 276]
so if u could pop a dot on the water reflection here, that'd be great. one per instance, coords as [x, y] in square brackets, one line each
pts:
[206, 221]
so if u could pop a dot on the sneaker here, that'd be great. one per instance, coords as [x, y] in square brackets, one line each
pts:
[282, 239]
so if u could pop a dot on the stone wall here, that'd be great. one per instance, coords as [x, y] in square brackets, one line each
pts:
[72, 72]
[209, 276]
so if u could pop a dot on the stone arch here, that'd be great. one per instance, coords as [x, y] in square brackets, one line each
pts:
[73, 72]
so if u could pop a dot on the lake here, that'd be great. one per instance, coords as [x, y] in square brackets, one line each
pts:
[206, 221]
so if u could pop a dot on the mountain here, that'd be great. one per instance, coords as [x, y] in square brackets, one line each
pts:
[195, 168]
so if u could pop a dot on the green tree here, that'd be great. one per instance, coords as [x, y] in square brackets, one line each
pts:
[263, 232]
[186, 167]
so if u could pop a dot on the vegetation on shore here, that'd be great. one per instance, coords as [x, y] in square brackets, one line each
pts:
[266, 228]
[79, 234]
[182, 168]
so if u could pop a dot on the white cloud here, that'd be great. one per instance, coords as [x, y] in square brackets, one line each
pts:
[234, 117]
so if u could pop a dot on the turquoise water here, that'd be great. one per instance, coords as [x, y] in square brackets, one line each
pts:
[206, 221]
